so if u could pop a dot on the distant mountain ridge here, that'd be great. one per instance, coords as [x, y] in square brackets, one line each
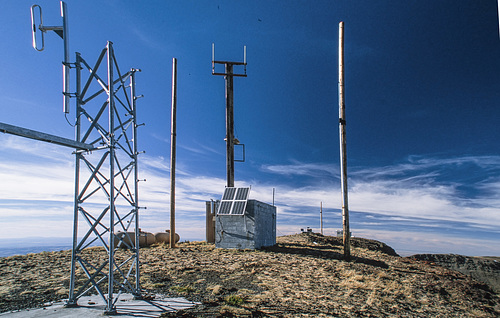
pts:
[484, 269]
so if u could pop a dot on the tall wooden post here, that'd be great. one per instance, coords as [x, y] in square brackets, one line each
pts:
[321, 217]
[173, 135]
[229, 125]
[343, 151]
[498, 3]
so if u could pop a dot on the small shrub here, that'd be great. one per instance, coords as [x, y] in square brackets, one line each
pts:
[235, 300]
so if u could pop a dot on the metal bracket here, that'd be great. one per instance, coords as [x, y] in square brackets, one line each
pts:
[244, 63]
[243, 149]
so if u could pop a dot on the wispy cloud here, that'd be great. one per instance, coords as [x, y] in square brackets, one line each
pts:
[409, 202]
[16, 147]
[146, 39]
[20, 101]
[303, 169]
[201, 149]
[485, 162]
[424, 167]
[420, 187]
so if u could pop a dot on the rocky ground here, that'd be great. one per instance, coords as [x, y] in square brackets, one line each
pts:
[304, 275]
[484, 269]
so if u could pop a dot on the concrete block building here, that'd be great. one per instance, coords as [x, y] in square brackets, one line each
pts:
[249, 226]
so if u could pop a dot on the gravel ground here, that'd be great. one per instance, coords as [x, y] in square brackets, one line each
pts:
[304, 275]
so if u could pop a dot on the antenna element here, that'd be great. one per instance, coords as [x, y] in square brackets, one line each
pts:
[62, 31]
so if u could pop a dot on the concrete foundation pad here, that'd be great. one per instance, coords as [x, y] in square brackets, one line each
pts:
[94, 306]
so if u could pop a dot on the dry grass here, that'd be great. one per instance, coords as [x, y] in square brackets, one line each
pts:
[302, 276]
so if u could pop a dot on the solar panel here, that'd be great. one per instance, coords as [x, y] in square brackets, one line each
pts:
[242, 194]
[225, 207]
[229, 193]
[239, 207]
[234, 201]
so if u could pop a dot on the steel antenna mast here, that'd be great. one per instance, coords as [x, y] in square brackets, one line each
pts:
[230, 139]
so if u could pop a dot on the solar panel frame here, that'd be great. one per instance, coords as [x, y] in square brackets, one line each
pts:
[234, 201]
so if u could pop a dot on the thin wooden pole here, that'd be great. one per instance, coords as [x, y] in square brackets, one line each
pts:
[173, 135]
[498, 3]
[343, 151]
[321, 216]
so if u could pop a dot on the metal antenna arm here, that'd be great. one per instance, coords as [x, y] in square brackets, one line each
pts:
[244, 63]
[34, 27]
[62, 31]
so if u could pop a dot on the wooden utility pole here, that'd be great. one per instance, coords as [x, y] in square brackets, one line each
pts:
[229, 125]
[498, 3]
[321, 217]
[230, 140]
[343, 151]
[173, 135]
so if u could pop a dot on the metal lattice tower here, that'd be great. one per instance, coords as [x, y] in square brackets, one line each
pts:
[106, 209]
[106, 182]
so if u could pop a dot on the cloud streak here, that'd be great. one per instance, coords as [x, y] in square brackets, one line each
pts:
[407, 202]
[303, 169]
[419, 189]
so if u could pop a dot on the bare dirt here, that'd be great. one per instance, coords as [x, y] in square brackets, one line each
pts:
[304, 275]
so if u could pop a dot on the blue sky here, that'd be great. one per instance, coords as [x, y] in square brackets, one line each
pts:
[422, 94]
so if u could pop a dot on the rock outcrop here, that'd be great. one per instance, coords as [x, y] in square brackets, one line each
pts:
[484, 269]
